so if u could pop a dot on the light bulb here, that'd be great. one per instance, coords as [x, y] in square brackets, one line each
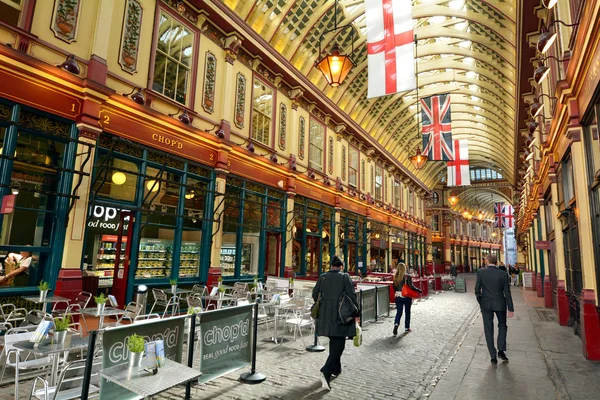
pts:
[119, 178]
[152, 185]
[190, 195]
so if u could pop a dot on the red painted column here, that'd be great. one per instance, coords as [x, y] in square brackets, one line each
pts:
[590, 325]
[547, 292]
[213, 278]
[533, 281]
[539, 285]
[68, 284]
[288, 272]
[562, 303]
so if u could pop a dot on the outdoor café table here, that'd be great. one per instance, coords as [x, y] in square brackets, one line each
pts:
[48, 347]
[143, 383]
[108, 311]
[48, 299]
[285, 306]
[218, 299]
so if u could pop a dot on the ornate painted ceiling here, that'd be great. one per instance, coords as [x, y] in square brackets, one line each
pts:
[465, 47]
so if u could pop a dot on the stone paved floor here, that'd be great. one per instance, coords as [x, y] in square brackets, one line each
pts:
[445, 357]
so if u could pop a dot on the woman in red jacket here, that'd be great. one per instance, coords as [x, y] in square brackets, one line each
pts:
[401, 279]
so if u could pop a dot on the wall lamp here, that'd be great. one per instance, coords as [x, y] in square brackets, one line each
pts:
[532, 126]
[547, 38]
[183, 117]
[70, 65]
[537, 106]
[542, 71]
[273, 158]
[138, 96]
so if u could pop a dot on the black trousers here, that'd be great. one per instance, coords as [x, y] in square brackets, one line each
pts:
[488, 327]
[333, 365]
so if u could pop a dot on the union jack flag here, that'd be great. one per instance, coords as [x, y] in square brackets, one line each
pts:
[437, 127]
[499, 215]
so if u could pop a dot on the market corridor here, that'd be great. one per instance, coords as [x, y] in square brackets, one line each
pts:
[445, 357]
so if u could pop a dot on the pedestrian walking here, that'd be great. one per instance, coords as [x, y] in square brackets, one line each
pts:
[493, 294]
[514, 273]
[332, 287]
[401, 279]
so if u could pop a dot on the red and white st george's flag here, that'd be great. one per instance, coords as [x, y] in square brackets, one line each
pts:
[390, 47]
[508, 216]
[458, 169]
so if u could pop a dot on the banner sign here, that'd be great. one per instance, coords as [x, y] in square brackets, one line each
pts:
[383, 300]
[527, 280]
[115, 351]
[8, 204]
[542, 245]
[225, 344]
[368, 304]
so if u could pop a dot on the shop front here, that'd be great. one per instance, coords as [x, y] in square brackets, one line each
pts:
[147, 220]
[353, 242]
[252, 230]
[313, 243]
[37, 153]
[379, 234]
[398, 241]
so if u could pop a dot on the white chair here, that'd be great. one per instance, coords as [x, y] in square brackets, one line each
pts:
[298, 319]
[69, 383]
[12, 315]
[81, 301]
[161, 299]
[145, 317]
[199, 289]
[18, 359]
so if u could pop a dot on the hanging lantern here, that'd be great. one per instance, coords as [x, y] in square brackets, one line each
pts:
[335, 66]
[418, 159]
[453, 200]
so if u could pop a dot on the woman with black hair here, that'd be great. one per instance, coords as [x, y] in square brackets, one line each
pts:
[330, 288]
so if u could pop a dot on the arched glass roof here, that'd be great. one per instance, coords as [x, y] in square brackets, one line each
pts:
[465, 47]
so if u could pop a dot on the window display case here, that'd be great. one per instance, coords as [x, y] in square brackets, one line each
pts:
[228, 258]
[154, 257]
[103, 264]
[189, 260]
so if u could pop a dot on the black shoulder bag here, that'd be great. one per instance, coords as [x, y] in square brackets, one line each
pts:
[347, 310]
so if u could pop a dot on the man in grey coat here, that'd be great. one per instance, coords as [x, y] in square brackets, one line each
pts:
[493, 294]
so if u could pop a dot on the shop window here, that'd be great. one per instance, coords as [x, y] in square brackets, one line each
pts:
[397, 194]
[315, 146]
[33, 165]
[411, 202]
[435, 222]
[10, 11]
[353, 156]
[567, 180]
[262, 111]
[484, 232]
[116, 178]
[378, 182]
[173, 59]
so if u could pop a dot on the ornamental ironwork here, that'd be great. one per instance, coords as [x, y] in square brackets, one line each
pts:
[210, 76]
[282, 126]
[302, 134]
[240, 100]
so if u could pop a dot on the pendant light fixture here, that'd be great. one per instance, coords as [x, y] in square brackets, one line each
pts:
[336, 66]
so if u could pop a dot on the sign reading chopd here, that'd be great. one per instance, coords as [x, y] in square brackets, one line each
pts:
[226, 341]
[542, 245]
[115, 351]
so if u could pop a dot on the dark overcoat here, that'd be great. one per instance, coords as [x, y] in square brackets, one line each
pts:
[493, 290]
[332, 285]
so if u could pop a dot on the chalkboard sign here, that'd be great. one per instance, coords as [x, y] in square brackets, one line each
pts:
[527, 279]
[461, 285]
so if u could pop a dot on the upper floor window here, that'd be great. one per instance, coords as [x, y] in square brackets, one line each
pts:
[567, 180]
[484, 174]
[10, 11]
[473, 230]
[353, 157]
[378, 182]
[411, 202]
[435, 222]
[315, 145]
[262, 111]
[484, 232]
[173, 59]
[397, 194]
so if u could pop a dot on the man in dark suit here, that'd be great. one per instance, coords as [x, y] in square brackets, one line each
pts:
[493, 294]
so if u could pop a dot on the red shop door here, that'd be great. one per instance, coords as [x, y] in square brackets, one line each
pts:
[273, 256]
[122, 257]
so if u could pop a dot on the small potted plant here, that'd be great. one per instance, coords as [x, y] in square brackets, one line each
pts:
[173, 283]
[100, 303]
[60, 328]
[220, 285]
[135, 344]
[43, 287]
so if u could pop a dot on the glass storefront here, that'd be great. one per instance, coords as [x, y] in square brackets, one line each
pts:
[313, 243]
[353, 242]
[379, 235]
[146, 215]
[37, 153]
[252, 230]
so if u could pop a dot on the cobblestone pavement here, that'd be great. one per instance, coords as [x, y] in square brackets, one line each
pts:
[384, 367]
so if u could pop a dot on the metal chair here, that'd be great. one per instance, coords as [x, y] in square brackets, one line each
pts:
[132, 310]
[12, 315]
[298, 319]
[34, 317]
[145, 317]
[81, 301]
[69, 383]
[199, 289]
[161, 299]
[20, 361]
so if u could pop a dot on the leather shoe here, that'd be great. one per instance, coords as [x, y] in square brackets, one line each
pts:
[502, 356]
[494, 360]
[325, 381]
